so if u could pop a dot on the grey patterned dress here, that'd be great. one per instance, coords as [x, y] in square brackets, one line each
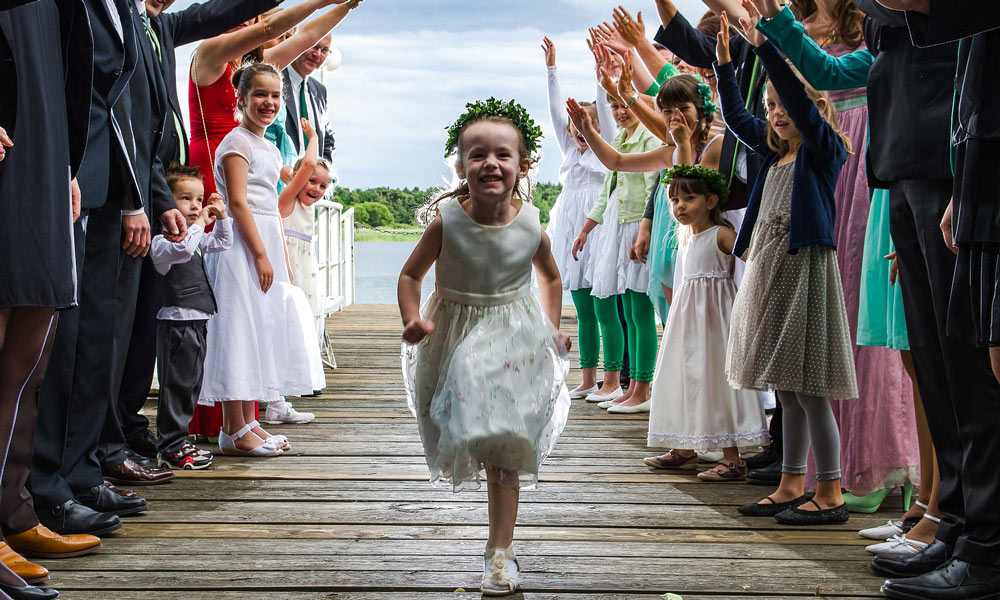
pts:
[789, 329]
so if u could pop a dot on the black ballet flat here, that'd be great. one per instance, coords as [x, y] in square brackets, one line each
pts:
[821, 516]
[769, 510]
[28, 592]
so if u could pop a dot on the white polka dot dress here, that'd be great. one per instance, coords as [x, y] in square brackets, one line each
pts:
[789, 329]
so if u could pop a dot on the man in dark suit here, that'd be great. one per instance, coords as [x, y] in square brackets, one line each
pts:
[66, 479]
[306, 97]
[165, 32]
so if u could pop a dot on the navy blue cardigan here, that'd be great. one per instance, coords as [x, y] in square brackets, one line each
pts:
[817, 166]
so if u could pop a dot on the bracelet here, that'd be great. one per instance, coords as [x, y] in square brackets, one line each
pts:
[632, 101]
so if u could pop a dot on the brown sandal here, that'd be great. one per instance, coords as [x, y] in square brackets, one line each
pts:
[673, 460]
[726, 472]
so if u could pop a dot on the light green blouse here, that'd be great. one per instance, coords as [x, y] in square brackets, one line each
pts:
[633, 188]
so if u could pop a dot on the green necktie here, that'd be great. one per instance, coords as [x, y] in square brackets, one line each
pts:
[152, 36]
[303, 109]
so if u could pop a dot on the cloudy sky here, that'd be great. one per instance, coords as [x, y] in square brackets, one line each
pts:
[409, 67]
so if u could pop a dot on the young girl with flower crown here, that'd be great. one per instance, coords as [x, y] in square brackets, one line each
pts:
[790, 329]
[693, 408]
[483, 363]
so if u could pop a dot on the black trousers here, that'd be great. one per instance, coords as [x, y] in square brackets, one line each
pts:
[180, 367]
[17, 511]
[138, 375]
[960, 394]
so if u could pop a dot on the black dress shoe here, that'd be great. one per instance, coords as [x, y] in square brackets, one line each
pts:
[770, 475]
[955, 580]
[932, 557]
[106, 498]
[765, 458]
[71, 517]
[139, 459]
[143, 443]
[28, 592]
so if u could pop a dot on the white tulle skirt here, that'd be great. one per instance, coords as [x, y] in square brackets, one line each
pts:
[566, 220]
[614, 271]
[488, 390]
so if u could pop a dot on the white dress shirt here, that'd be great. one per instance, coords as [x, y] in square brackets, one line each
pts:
[165, 254]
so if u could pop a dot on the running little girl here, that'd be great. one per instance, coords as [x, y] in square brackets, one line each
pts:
[693, 407]
[484, 365]
[581, 175]
[790, 328]
[261, 345]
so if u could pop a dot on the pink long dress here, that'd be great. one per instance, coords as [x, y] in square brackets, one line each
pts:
[878, 430]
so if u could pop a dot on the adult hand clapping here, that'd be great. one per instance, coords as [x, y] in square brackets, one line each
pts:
[550, 51]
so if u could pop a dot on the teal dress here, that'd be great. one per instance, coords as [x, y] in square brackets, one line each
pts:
[276, 134]
[880, 312]
[662, 252]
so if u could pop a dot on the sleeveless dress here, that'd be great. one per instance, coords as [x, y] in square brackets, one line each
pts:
[218, 103]
[693, 407]
[299, 227]
[488, 385]
[260, 346]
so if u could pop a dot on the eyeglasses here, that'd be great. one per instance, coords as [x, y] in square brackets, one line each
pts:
[324, 50]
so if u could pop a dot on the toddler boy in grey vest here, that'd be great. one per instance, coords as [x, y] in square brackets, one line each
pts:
[182, 323]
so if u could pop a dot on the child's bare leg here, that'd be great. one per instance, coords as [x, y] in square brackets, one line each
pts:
[638, 393]
[828, 495]
[792, 486]
[503, 492]
[612, 381]
[248, 410]
[233, 419]
[589, 379]
[924, 442]
[926, 529]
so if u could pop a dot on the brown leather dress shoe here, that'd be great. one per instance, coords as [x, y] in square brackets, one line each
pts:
[42, 542]
[129, 473]
[24, 568]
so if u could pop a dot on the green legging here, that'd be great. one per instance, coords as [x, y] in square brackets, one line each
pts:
[605, 311]
[588, 335]
[642, 336]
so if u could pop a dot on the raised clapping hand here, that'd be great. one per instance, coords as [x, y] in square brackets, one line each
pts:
[417, 330]
[625, 87]
[609, 34]
[748, 27]
[605, 66]
[722, 40]
[580, 117]
[307, 128]
[550, 51]
[679, 128]
[632, 31]
[767, 8]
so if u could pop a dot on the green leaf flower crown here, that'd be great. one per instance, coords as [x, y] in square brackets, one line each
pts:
[492, 107]
[716, 181]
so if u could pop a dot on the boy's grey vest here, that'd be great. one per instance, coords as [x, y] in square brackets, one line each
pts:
[186, 285]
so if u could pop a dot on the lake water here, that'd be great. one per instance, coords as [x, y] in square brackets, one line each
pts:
[376, 271]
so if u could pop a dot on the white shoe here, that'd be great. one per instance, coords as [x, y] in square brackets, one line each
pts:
[227, 444]
[498, 580]
[620, 409]
[883, 532]
[279, 441]
[283, 412]
[897, 547]
[599, 398]
[577, 394]
[710, 457]
[608, 404]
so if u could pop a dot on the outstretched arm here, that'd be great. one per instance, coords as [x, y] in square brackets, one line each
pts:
[556, 112]
[750, 130]
[611, 158]
[306, 37]
[207, 19]
[286, 201]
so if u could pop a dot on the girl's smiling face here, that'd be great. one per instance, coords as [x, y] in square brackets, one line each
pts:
[490, 159]
[316, 187]
[261, 103]
[777, 118]
[623, 116]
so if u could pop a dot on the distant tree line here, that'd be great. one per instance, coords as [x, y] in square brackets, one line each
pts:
[387, 207]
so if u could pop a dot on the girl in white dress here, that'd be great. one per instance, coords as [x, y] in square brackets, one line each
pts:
[483, 363]
[261, 345]
[693, 408]
[582, 176]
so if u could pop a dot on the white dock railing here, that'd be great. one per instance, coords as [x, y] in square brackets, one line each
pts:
[335, 256]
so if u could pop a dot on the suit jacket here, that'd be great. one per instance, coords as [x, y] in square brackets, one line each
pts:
[698, 50]
[197, 22]
[317, 96]
[106, 167]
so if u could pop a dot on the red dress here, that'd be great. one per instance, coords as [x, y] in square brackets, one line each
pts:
[218, 104]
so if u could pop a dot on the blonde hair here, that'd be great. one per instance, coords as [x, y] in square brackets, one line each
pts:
[827, 111]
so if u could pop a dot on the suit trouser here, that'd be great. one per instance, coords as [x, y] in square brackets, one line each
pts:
[960, 394]
[75, 396]
[139, 365]
[17, 511]
[180, 355]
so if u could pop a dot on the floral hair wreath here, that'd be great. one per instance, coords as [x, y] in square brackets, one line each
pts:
[496, 108]
[705, 93]
[715, 180]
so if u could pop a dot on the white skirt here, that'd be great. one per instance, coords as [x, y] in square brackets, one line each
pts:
[305, 275]
[614, 271]
[566, 220]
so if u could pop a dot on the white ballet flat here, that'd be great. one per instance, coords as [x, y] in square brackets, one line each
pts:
[608, 404]
[227, 444]
[599, 398]
[497, 580]
[577, 394]
[897, 547]
[620, 409]
[883, 532]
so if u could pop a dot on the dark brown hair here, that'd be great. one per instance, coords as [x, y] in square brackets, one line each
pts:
[177, 172]
[693, 185]
[682, 89]
[848, 20]
[244, 76]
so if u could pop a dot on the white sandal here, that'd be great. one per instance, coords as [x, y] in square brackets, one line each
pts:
[497, 580]
[278, 441]
[227, 444]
